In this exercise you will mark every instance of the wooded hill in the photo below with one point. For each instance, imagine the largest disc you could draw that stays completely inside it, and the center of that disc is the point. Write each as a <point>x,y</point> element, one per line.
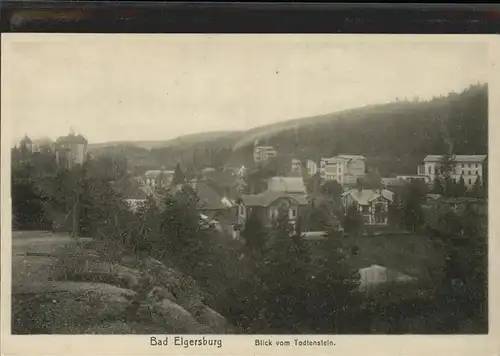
<point>394,137</point>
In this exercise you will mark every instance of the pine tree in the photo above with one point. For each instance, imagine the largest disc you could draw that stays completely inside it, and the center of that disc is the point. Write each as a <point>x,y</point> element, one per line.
<point>254,233</point>
<point>332,301</point>
<point>179,177</point>
<point>477,190</point>
<point>284,274</point>
<point>460,188</point>
<point>352,221</point>
<point>412,209</point>
<point>437,187</point>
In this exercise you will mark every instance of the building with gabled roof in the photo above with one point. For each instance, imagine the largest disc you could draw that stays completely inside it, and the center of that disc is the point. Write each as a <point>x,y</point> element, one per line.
<point>469,167</point>
<point>372,204</point>
<point>71,150</point>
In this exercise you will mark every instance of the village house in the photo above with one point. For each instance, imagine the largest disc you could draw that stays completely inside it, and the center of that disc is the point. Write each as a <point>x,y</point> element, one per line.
<point>372,204</point>
<point>312,167</point>
<point>71,150</point>
<point>215,209</point>
<point>157,178</point>
<point>470,167</point>
<point>283,193</point>
<point>137,198</point>
<point>44,143</point>
<point>345,169</point>
<point>263,153</point>
<point>296,167</point>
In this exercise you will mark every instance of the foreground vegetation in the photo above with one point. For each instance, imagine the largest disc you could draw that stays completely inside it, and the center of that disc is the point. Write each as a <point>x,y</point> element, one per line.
<point>273,283</point>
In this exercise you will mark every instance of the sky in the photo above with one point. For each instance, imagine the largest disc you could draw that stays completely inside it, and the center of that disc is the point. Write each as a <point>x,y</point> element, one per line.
<point>157,87</point>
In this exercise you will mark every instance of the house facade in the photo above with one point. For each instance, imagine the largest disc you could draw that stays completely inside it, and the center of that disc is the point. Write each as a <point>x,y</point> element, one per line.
<point>267,206</point>
<point>71,150</point>
<point>470,167</point>
<point>312,167</point>
<point>296,167</point>
<point>157,178</point>
<point>345,169</point>
<point>373,205</point>
<point>263,153</point>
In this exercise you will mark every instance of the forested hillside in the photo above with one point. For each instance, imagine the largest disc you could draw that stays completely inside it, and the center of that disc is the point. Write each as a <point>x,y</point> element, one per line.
<point>394,137</point>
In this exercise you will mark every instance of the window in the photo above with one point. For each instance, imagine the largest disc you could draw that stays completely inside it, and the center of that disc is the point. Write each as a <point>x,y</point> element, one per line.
<point>469,165</point>
<point>470,181</point>
<point>462,165</point>
<point>365,209</point>
<point>476,165</point>
<point>468,172</point>
<point>293,213</point>
<point>430,170</point>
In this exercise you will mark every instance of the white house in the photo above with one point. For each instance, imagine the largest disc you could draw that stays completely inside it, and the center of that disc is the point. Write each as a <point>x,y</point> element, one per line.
<point>263,153</point>
<point>157,178</point>
<point>296,167</point>
<point>471,167</point>
<point>312,167</point>
<point>345,169</point>
<point>373,205</point>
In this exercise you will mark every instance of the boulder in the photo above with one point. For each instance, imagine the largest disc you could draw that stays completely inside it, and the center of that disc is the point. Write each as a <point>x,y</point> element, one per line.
<point>173,316</point>
<point>209,317</point>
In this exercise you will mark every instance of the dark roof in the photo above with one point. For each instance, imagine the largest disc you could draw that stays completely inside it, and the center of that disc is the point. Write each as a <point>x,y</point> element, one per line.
<point>268,197</point>
<point>71,138</point>
<point>209,199</point>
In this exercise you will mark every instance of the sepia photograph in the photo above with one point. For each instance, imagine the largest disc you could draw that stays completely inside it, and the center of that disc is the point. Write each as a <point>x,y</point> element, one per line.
<point>246,185</point>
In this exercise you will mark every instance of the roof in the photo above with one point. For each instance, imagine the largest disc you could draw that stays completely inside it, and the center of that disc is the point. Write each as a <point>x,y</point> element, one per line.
<point>209,199</point>
<point>268,197</point>
<point>72,139</point>
<point>287,184</point>
<point>392,181</point>
<point>457,158</point>
<point>351,157</point>
<point>157,172</point>
<point>365,196</point>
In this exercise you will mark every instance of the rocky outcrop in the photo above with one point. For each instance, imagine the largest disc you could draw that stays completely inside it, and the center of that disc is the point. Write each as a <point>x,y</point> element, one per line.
<point>129,294</point>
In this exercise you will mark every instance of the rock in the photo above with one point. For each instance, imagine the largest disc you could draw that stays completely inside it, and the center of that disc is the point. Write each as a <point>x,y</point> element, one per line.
<point>160,293</point>
<point>68,307</point>
<point>173,316</point>
<point>209,317</point>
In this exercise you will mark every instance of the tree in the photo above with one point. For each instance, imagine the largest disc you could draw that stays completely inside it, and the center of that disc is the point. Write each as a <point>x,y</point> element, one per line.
<point>254,234</point>
<point>284,275</point>
<point>352,221</point>
<point>332,188</point>
<point>478,190</point>
<point>372,180</point>
<point>445,171</point>
<point>27,200</point>
<point>179,177</point>
<point>412,209</point>
<point>333,300</point>
<point>437,187</point>
<point>460,188</point>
